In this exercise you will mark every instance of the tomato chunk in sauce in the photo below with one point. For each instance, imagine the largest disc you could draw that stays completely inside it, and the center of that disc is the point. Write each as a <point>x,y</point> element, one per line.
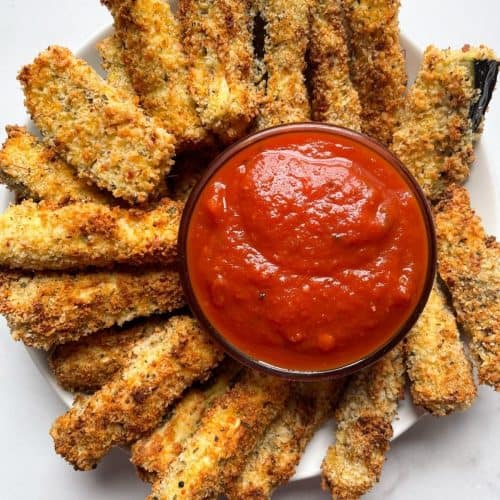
<point>307,250</point>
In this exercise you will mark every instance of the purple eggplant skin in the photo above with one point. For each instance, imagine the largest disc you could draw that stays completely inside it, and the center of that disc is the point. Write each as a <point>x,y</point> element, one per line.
<point>485,77</point>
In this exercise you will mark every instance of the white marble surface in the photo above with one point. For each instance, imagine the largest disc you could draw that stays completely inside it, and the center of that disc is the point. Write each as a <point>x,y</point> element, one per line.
<point>456,457</point>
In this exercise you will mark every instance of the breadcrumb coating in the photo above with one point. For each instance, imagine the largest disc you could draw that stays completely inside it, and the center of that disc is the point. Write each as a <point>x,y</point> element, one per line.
<point>217,37</point>
<point>435,139</point>
<point>158,67</point>
<point>334,98</point>
<point>215,454</point>
<point>287,34</point>
<point>111,54</point>
<point>46,309</point>
<point>48,237</point>
<point>469,264</point>
<point>377,64</point>
<point>94,127</point>
<point>440,374</point>
<point>364,416</point>
<point>32,170</point>
<point>87,364</point>
<point>275,458</point>
<point>159,368</point>
<point>153,454</point>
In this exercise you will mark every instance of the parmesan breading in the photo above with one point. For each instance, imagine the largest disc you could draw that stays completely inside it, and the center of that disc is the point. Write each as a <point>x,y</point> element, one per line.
<point>215,454</point>
<point>217,37</point>
<point>52,308</point>
<point>440,374</point>
<point>334,98</point>
<point>111,54</point>
<point>377,64</point>
<point>364,417</point>
<point>157,65</point>
<point>435,139</point>
<point>159,368</point>
<point>47,237</point>
<point>286,41</point>
<point>90,124</point>
<point>32,170</point>
<point>469,263</point>
<point>275,458</point>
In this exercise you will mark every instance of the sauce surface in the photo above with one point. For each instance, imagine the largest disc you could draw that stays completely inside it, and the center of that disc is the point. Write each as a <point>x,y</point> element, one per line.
<point>307,250</point>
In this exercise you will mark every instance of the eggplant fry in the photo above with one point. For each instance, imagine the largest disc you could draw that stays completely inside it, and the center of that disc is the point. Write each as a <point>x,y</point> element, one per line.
<point>153,454</point>
<point>354,462</point>
<point>52,308</point>
<point>159,368</point>
<point>87,364</point>
<point>334,98</point>
<point>443,116</point>
<point>157,65</point>
<point>377,64</point>
<point>440,374</point>
<point>110,51</point>
<point>287,34</point>
<point>33,171</point>
<point>108,139</point>
<point>217,37</point>
<point>274,460</point>
<point>469,264</point>
<point>48,237</point>
<point>214,455</point>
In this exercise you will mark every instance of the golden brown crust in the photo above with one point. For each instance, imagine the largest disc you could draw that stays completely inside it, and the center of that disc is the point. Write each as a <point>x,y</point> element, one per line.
<point>214,455</point>
<point>275,458</point>
<point>32,170</point>
<point>94,127</point>
<point>217,36</point>
<point>287,35</point>
<point>87,364</point>
<point>377,64</point>
<point>159,368</point>
<point>440,374</point>
<point>153,454</point>
<point>157,65</point>
<point>469,263</point>
<point>110,51</point>
<point>335,100</point>
<point>52,308</point>
<point>43,236</point>
<point>364,416</point>
<point>435,138</point>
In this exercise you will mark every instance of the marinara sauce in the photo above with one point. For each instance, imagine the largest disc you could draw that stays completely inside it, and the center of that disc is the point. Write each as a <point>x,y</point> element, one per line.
<point>307,250</point>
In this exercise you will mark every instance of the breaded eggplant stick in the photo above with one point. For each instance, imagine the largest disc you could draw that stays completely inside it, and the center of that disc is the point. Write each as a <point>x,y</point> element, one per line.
<point>214,455</point>
<point>377,64</point>
<point>51,308</point>
<point>117,76</point>
<point>274,460</point>
<point>90,124</point>
<point>159,368</point>
<point>87,364</point>
<point>217,37</point>
<point>443,116</point>
<point>157,65</point>
<point>440,374</point>
<point>48,237</point>
<point>469,263</point>
<point>335,100</point>
<point>285,46</point>
<point>354,462</point>
<point>32,170</point>
<point>153,454</point>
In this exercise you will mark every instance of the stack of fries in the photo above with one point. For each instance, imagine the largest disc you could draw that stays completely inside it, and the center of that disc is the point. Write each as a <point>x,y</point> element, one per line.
<point>88,256</point>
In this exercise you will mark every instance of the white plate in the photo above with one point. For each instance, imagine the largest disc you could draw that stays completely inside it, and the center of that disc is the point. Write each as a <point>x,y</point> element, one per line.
<point>482,188</point>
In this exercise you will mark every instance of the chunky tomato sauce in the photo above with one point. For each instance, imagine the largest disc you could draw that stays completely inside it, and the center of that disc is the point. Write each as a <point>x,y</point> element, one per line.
<point>307,251</point>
